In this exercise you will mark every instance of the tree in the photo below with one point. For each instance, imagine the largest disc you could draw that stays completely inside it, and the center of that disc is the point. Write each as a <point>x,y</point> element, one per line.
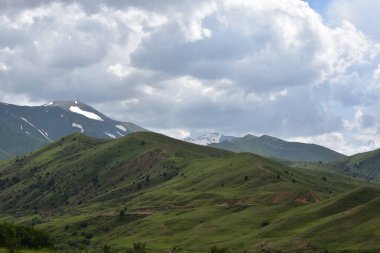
<point>9,237</point>
<point>14,236</point>
<point>121,214</point>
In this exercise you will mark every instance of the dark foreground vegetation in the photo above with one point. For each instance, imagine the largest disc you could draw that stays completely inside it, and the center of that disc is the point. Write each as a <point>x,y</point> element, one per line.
<point>13,237</point>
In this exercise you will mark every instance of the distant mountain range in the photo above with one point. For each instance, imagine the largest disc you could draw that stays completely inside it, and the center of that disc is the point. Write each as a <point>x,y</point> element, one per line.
<point>269,146</point>
<point>25,128</point>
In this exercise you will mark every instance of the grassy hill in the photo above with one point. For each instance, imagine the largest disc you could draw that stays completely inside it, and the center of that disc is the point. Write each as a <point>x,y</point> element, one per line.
<point>366,165</point>
<point>276,148</point>
<point>171,194</point>
<point>363,165</point>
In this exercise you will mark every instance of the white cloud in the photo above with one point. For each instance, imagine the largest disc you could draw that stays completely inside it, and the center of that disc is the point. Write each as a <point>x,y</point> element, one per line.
<point>3,67</point>
<point>233,66</point>
<point>174,133</point>
<point>118,70</point>
<point>345,144</point>
<point>363,14</point>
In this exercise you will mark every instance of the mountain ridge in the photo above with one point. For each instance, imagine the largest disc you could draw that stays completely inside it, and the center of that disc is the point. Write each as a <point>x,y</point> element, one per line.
<point>269,146</point>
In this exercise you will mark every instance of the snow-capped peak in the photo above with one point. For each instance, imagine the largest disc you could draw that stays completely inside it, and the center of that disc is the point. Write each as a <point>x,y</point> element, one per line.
<point>205,139</point>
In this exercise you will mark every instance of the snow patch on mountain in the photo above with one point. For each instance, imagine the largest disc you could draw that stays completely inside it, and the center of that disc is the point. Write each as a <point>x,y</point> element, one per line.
<point>122,128</point>
<point>87,114</point>
<point>122,135</point>
<point>205,139</point>
<point>110,135</point>
<point>42,132</point>
<point>78,126</point>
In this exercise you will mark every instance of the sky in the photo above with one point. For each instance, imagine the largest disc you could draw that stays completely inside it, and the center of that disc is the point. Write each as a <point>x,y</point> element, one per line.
<point>297,70</point>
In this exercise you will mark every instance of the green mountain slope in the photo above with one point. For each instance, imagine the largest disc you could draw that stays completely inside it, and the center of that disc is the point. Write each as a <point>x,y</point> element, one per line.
<point>365,165</point>
<point>273,147</point>
<point>168,193</point>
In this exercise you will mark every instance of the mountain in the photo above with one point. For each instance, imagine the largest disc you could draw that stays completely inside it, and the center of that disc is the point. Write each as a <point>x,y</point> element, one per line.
<point>276,148</point>
<point>24,128</point>
<point>365,165</point>
<point>208,139</point>
<point>181,197</point>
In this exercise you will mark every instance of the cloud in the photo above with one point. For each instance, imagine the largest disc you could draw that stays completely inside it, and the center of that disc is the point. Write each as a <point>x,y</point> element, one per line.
<point>275,67</point>
<point>363,14</point>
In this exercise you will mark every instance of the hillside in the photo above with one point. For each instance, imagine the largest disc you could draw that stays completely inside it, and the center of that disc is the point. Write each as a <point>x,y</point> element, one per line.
<point>276,148</point>
<point>25,128</point>
<point>365,165</point>
<point>172,194</point>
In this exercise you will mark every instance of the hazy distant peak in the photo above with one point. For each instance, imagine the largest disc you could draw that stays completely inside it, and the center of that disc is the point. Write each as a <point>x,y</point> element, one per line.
<point>205,139</point>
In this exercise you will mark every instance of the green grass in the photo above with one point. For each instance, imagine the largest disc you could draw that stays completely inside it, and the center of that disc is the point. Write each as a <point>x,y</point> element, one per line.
<point>184,195</point>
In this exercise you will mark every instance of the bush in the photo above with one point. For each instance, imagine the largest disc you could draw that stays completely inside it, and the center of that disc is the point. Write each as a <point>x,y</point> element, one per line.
<point>107,249</point>
<point>215,249</point>
<point>264,223</point>
<point>139,247</point>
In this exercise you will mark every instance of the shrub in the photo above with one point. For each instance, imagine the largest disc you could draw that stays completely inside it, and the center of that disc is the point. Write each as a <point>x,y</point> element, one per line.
<point>264,223</point>
<point>107,249</point>
<point>215,249</point>
<point>139,247</point>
